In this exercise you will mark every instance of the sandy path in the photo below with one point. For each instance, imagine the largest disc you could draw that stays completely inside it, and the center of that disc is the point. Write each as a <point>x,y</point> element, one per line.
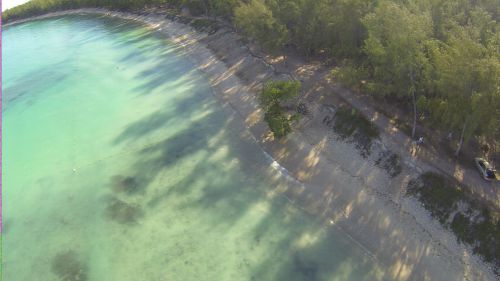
<point>339,185</point>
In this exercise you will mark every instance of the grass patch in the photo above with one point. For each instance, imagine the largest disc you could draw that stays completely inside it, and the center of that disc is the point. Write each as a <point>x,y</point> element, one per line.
<point>391,162</point>
<point>351,125</point>
<point>475,226</point>
<point>439,195</point>
<point>461,227</point>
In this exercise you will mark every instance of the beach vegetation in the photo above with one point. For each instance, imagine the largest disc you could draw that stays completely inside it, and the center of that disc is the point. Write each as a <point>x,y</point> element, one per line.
<point>390,162</point>
<point>471,221</point>
<point>350,125</point>
<point>273,95</point>
<point>257,21</point>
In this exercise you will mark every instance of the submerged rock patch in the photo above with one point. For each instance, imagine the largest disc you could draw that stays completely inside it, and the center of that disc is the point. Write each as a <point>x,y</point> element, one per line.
<point>68,267</point>
<point>123,212</point>
<point>125,184</point>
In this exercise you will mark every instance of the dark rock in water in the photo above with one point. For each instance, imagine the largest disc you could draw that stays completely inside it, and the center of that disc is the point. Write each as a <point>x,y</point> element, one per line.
<point>68,267</point>
<point>307,269</point>
<point>128,185</point>
<point>123,212</point>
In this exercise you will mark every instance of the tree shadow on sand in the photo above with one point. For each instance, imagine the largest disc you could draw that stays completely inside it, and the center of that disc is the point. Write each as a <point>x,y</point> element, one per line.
<point>228,186</point>
<point>226,195</point>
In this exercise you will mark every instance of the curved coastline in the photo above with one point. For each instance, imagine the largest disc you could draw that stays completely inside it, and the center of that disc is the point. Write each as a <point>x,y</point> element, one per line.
<point>396,233</point>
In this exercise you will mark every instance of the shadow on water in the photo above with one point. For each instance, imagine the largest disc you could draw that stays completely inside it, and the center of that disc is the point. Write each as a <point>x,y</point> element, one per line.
<point>228,186</point>
<point>227,193</point>
<point>178,109</point>
<point>26,89</point>
<point>150,45</point>
<point>227,172</point>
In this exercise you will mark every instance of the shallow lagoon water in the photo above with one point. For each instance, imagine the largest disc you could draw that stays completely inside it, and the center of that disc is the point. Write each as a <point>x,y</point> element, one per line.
<point>120,164</point>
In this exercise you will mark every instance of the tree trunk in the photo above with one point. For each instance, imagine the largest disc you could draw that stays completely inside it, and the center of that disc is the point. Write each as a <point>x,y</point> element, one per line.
<point>414,101</point>
<point>461,140</point>
<point>205,7</point>
<point>414,114</point>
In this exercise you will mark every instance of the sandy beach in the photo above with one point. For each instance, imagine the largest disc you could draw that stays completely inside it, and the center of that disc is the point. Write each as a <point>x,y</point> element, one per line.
<point>337,184</point>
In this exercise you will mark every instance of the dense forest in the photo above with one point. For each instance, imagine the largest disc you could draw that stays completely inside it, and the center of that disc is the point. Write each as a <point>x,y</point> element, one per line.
<point>439,57</point>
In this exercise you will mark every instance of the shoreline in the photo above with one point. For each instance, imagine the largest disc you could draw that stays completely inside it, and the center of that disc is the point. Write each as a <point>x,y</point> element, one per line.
<point>342,187</point>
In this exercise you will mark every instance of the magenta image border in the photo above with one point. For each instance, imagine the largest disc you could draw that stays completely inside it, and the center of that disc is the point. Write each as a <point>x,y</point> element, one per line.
<point>1,132</point>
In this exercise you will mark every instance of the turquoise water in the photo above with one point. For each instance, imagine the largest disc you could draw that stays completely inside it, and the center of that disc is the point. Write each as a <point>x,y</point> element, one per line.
<point>120,164</point>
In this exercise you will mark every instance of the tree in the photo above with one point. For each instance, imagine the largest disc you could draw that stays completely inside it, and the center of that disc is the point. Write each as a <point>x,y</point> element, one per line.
<point>256,20</point>
<point>468,81</point>
<point>273,93</point>
<point>397,38</point>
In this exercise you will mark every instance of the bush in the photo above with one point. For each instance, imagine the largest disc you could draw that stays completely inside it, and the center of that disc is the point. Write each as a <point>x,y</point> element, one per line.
<point>275,92</point>
<point>350,76</point>
<point>272,95</point>
<point>277,121</point>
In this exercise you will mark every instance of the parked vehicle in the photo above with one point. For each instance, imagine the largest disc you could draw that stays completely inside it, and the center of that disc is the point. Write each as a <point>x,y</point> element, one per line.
<point>486,170</point>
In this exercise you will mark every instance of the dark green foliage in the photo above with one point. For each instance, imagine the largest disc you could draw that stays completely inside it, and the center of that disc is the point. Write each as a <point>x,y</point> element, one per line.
<point>196,7</point>
<point>353,126</point>
<point>328,26</point>
<point>391,162</point>
<point>68,267</point>
<point>350,75</point>
<point>38,7</point>
<point>438,194</point>
<point>275,92</point>
<point>440,197</point>
<point>257,21</point>
<point>488,235</point>
<point>272,95</point>
<point>461,227</point>
<point>277,121</point>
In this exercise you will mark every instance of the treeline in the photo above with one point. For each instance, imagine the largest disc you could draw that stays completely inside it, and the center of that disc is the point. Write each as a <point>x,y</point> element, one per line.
<point>222,8</point>
<point>440,57</point>
<point>39,7</point>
